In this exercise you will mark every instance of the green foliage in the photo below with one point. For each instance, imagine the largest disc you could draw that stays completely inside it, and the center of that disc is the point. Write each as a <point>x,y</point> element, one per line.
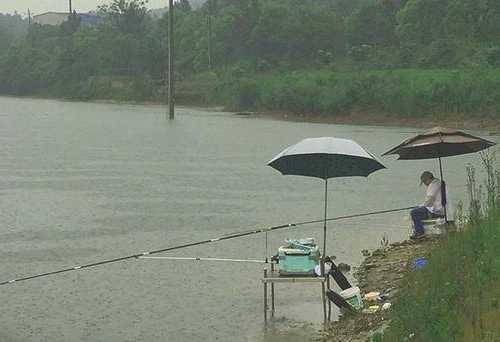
<point>440,53</point>
<point>402,92</point>
<point>428,27</point>
<point>296,31</point>
<point>246,43</point>
<point>198,90</point>
<point>451,300</point>
<point>12,28</point>
<point>26,69</point>
<point>127,17</point>
<point>491,56</point>
<point>421,21</point>
<point>455,298</point>
<point>372,23</point>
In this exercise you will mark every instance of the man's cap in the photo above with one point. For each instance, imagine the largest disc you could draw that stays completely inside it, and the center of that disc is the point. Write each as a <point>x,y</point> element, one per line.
<point>426,174</point>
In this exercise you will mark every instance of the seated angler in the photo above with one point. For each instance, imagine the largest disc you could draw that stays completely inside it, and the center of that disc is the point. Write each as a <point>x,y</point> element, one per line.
<point>431,208</point>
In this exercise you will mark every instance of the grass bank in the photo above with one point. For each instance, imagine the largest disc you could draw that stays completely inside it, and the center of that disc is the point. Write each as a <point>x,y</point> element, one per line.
<point>457,296</point>
<point>405,92</point>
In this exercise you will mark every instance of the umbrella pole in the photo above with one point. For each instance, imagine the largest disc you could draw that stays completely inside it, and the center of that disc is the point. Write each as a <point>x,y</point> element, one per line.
<point>324,229</point>
<point>443,195</point>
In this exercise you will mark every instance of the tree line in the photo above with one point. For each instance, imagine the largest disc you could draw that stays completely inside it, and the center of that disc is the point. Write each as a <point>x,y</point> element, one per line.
<point>246,37</point>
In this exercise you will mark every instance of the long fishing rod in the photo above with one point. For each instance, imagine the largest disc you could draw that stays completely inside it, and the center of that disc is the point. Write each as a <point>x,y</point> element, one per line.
<point>203,242</point>
<point>204,259</point>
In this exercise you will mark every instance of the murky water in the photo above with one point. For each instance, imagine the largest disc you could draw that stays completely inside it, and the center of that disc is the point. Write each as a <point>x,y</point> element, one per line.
<point>83,182</point>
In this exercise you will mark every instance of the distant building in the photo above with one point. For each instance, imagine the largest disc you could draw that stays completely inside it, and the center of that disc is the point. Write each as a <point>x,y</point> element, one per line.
<point>57,18</point>
<point>50,18</point>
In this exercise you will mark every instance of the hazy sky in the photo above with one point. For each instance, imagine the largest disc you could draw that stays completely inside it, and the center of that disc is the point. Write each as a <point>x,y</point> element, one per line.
<point>40,6</point>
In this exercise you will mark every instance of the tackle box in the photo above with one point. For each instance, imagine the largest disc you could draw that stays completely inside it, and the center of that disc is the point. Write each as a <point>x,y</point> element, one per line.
<point>298,257</point>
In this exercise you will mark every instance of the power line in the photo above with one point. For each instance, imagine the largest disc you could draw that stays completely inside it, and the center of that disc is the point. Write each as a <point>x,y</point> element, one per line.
<point>202,242</point>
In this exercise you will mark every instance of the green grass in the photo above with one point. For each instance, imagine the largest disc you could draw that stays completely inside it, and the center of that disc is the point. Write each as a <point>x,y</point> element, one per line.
<point>406,92</point>
<point>456,297</point>
<point>401,92</point>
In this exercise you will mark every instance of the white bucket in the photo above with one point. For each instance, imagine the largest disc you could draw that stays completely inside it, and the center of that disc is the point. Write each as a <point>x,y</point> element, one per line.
<point>353,296</point>
<point>433,226</point>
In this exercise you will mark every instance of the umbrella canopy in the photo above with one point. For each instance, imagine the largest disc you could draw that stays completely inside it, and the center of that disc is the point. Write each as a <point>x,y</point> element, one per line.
<point>439,142</point>
<point>325,158</point>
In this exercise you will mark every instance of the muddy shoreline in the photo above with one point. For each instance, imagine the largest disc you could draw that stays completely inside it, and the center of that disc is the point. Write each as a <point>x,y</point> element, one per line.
<point>384,270</point>
<point>451,120</point>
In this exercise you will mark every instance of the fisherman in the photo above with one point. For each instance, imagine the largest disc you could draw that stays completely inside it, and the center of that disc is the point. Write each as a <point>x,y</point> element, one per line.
<point>432,206</point>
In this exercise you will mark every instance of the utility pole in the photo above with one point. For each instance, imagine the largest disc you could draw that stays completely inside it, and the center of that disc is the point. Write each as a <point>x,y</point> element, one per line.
<point>171,91</point>
<point>29,17</point>
<point>70,8</point>
<point>209,19</point>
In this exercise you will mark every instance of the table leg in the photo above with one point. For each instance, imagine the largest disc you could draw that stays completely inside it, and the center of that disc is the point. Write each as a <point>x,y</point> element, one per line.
<point>323,296</point>
<point>265,296</point>
<point>329,302</point>
<point>272,294</point>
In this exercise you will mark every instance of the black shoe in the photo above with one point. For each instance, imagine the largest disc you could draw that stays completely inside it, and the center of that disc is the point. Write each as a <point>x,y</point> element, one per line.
<point>417,236</point>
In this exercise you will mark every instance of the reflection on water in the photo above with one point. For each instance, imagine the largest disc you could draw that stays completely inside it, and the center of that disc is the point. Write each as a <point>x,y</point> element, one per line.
<point>287,330</point>
<point>84,182</point>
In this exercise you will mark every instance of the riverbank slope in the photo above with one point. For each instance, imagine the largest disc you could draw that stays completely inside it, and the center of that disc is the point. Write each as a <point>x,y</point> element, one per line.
<point>454,297</point>
<point>383,271</point>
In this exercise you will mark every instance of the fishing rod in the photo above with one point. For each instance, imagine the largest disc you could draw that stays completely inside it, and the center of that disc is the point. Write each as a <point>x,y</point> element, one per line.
<point>204,259</point>
<point>198,243</point>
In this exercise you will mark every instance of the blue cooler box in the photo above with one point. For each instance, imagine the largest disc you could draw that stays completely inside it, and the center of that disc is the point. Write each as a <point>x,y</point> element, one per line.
<point>298,258</point>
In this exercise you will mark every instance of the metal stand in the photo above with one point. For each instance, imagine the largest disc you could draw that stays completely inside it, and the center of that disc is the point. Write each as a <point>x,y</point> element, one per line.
<point>273,309</point>
<point>274,277</point>
<point>443,191</point>
<point>329,303</point>
<point>265,296</point>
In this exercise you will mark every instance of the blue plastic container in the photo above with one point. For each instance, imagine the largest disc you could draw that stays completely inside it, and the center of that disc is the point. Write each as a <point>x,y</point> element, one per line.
<point>420,263</point>
<point>296,260</point>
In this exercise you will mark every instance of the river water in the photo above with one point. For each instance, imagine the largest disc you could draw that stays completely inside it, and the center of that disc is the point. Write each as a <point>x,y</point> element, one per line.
<point>82,182</point>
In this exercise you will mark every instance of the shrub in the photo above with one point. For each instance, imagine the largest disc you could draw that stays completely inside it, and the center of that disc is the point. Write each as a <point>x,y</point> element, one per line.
<point>402,92</point>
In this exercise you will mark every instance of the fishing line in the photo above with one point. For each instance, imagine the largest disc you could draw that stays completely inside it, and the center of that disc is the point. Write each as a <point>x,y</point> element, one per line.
<point>198,243</point>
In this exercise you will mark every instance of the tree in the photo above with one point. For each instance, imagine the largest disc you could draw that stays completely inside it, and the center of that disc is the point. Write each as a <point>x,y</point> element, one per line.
<point>71,25</point>
<point>373,23</point>
<point>421,21</point>
<point>489,21</point>
<point>12,27</point>
<point>294,32</point>
<point>182,5</point>
<point>128,17</point>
